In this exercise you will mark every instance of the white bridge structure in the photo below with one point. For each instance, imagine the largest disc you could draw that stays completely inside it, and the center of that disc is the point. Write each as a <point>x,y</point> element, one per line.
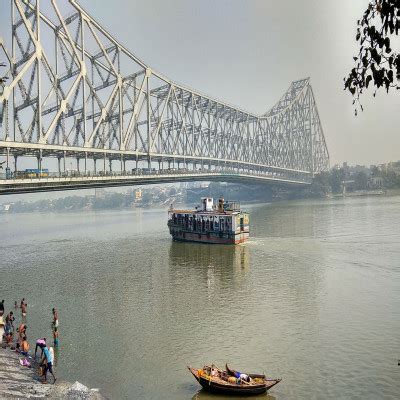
<point>74,92</point>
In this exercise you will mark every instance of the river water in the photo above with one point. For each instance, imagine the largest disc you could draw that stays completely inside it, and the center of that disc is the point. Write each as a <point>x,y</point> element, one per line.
<point>313,298</point>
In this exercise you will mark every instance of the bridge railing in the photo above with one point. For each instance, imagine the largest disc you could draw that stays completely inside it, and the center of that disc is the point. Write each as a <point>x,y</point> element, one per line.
<point>48,176</point>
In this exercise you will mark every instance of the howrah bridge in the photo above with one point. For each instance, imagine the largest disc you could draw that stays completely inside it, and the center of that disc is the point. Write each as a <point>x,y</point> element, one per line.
<point>74,93</point>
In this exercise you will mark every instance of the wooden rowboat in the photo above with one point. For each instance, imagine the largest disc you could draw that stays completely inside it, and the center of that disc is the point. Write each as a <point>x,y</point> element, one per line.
<point>223,382</point>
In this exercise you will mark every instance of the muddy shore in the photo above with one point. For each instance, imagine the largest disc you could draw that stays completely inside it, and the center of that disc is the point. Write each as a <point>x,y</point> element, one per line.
<point>18,382</point>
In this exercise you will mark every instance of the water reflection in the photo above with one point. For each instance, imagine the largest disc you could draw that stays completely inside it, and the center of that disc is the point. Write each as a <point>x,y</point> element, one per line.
<point>218,267</point>
<point>203,395</point>
<point>203,256</point>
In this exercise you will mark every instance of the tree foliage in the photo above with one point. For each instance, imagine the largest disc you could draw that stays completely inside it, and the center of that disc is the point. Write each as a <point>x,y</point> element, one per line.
<point>377,63</point>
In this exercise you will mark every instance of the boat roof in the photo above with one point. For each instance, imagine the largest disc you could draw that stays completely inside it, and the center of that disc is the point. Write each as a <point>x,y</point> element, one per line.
<point>202,212</point>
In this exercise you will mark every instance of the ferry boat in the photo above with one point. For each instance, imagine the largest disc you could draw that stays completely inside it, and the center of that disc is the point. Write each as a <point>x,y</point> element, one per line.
<point>223,223</point>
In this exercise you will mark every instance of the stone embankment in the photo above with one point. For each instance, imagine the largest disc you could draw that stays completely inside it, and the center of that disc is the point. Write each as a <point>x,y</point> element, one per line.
<point>18,382</point>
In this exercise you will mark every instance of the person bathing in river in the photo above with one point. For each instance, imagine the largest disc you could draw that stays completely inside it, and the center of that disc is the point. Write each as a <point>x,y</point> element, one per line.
<point>55,336</point>
<point>21,332</point>
<point>24,346</point>
<point>9,325</point>
<point>12,319</point>
<point>40,343</point>
<point>9,338</point>
<point>47,362</point>
<point>55,318</point>
<point>23,307</point>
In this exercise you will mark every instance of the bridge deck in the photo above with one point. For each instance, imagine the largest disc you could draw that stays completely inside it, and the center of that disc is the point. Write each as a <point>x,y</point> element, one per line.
<point>56,183</point>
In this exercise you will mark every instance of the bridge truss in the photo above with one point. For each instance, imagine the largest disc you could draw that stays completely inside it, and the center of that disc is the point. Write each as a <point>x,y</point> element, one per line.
<point>75,91</point>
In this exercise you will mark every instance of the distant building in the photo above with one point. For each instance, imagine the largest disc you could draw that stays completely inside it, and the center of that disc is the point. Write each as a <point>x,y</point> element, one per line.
<point>394,167</point>
<point>376,182</point>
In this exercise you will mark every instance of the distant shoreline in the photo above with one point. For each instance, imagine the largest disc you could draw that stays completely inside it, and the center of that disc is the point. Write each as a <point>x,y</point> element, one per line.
<point>160,207</point>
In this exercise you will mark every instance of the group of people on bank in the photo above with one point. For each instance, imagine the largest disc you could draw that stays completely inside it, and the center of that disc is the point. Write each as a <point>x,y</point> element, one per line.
<point>16,339</point>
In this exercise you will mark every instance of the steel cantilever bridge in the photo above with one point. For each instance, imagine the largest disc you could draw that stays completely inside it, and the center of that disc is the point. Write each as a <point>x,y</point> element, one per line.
<point>75,93</point>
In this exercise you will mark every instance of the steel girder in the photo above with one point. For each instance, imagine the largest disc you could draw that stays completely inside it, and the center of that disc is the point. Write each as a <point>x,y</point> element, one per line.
<point>74,87</point>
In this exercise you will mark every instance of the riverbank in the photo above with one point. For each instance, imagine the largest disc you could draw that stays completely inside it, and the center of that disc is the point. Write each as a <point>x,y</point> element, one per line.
<point>18,382</point>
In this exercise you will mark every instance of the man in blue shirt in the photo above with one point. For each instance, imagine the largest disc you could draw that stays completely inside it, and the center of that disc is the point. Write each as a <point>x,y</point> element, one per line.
<point>47,362</point>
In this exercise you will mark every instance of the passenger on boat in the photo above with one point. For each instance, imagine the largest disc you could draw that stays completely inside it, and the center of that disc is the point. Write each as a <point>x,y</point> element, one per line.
<point>214,372</point>
<point>243,377</point>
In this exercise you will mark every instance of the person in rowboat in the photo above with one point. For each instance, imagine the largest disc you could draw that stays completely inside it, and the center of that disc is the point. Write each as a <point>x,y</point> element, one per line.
<point>242,377</point>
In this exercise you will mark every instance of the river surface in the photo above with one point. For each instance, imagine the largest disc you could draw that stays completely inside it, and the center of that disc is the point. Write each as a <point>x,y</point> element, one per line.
<point>313,298</point>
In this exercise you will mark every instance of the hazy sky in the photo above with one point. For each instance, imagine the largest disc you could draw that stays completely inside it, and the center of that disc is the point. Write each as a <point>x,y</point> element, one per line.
<point>247,52</point>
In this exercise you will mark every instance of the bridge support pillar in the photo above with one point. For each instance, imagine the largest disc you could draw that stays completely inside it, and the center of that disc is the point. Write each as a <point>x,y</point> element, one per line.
<point>110,163</point>
<point>39,162</point>
<point>77,164</point>
<point>104,163</point>
<point>95,165</point>
<point>59,165</point>
<point>64,161</point>
<point>85,163</point>
<point>15,164</point>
